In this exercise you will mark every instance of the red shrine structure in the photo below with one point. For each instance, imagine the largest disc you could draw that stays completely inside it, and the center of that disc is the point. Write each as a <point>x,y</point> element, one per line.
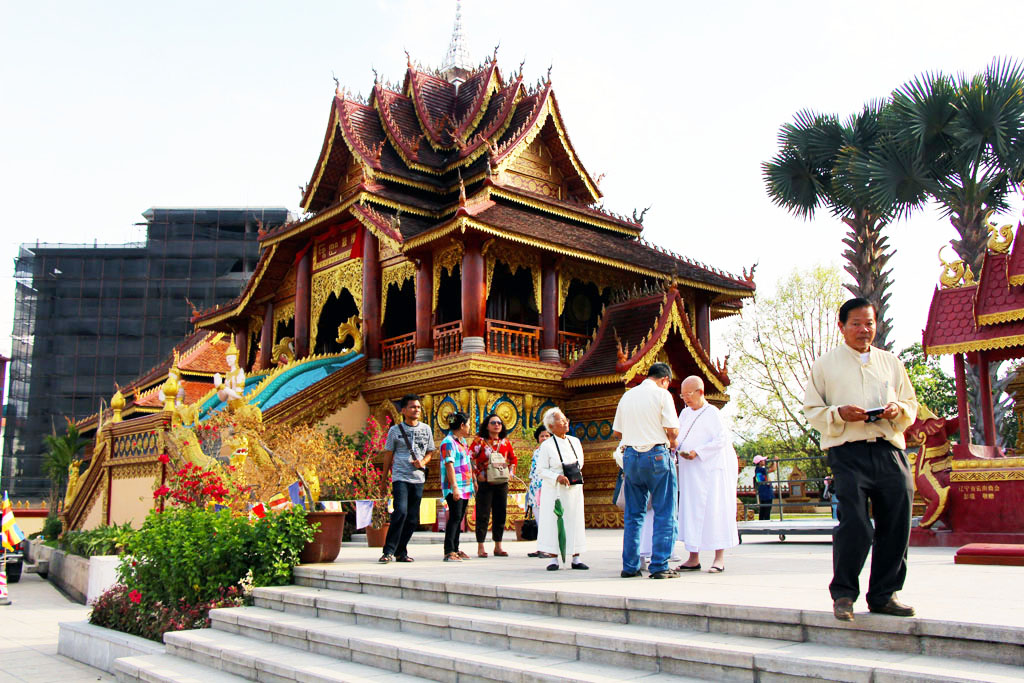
<point>973,493</point>
<point>454,245</point>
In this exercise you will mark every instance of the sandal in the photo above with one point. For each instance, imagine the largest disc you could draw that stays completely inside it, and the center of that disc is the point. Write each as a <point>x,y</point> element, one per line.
<point>716,570</point>
<point>404,558</point>
<point>500,553</point>
<point>452,557</point>
<point>462,555</point>
<point>685,568</point>
<point>481,553</point>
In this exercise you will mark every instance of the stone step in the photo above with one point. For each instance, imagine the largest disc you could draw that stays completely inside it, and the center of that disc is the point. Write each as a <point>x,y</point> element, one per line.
<point>166,668</point>
<point>979,642</point>
<point>346,652</point>
<point>370,624</point>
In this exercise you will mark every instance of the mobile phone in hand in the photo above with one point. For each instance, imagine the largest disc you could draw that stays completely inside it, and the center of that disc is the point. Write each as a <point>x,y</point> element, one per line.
<point>875,414</point>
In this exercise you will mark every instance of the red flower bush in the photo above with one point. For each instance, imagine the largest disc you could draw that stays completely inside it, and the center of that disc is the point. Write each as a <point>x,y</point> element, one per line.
<point>192,485</point>
<point>135,596</point>
<point>126,611</point>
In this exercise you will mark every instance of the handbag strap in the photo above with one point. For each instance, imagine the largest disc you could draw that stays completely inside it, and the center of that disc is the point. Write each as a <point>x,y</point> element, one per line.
<point>559,450</point>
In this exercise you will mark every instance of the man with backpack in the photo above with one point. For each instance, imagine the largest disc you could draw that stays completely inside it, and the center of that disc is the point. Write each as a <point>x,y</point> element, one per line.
<point>408,449</point>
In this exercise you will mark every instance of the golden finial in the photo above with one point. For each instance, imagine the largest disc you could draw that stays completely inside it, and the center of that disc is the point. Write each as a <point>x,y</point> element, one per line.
<point>232,349</point>
<point>117,404</point>
<point>955,273</point>
<point>999,237</point>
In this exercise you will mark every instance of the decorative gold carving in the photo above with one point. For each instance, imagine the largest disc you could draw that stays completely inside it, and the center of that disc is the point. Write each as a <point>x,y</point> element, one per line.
<point>528,410</point>
<point>955,273</point>
<point>348,275</point>
<point>333,251</point>
<point>515,258</point>
<point>464,400</point>
<point>283,313</point>
<point>1000,238</point>
<point>508,414</point>
<point>990,475</point>
<point>135,470</point>
<point>394,275</point>
<point>428,406</point>
<point>448,259</point>
<point>988,464</point>
<point>350,329</point>
<point>285,348</point>
<point>534,170</point>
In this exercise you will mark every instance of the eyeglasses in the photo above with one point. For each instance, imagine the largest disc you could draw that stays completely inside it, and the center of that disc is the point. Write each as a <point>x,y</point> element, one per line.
<point>495,422</point>
<point>689,393</point>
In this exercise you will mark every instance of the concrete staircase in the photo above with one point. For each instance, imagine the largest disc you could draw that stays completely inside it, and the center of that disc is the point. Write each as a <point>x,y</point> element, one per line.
<point>346,626</point>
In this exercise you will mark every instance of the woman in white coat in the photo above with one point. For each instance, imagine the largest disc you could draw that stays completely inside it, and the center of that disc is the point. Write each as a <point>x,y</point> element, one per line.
<point>561,448</point>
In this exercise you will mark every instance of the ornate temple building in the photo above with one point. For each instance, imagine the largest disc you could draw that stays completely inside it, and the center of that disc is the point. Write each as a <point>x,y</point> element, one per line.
<point>453,245</point>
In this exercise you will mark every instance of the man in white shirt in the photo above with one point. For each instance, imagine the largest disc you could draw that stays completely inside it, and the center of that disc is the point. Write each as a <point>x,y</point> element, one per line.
<point>647,425</point>
<point>861,400</point>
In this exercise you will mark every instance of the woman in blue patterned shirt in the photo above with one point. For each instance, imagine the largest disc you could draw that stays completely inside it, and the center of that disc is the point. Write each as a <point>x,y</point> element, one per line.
<point>456,483</point>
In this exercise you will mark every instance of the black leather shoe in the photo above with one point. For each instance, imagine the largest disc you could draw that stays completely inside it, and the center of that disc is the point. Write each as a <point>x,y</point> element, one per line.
<point>552,567</point>
<point>665,574</point>
<point>893,608</point>
<point>842,608</point>
<point>579,565</point>
<point>629,575</point>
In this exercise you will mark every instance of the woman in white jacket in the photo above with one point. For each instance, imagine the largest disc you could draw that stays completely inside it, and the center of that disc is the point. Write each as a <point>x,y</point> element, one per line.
<point>561,448</point>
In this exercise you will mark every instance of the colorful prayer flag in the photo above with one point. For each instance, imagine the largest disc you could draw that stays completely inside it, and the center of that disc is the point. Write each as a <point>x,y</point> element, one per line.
<point>364,513</point>
<point>279,501</point>
<point>12,534</point>
<point>258,511</point>
<point>295,493</point>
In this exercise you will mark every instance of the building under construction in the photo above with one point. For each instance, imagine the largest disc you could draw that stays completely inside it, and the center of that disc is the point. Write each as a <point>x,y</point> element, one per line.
<point>87,316</point>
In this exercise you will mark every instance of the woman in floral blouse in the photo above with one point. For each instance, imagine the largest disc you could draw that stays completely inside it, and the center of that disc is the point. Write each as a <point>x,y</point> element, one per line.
<point>456,483</point>
<point>491,444</point>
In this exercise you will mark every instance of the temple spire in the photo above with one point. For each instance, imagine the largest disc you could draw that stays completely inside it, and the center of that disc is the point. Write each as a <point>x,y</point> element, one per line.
<point>456,65</point>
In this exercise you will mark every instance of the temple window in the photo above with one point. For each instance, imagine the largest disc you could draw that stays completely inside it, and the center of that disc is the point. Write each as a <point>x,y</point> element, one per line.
<point>449,297</point>
<point>400,313</point>
<point>285,328</point>
<point>511,297</point>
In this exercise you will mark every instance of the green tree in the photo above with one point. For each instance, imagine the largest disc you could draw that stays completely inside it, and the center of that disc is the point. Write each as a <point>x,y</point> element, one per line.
<point>61,451</point>
<point>934,387</point>
<point>812,171</point>
<point>774,346</point>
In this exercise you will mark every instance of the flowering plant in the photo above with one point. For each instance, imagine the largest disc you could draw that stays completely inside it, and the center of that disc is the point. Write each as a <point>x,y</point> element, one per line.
<point>191,485</point>
<point>367,482</point>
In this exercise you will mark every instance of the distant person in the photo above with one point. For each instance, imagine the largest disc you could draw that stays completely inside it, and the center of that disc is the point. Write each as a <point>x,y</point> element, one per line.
<point>830,496</point>
<point>407,451</point>
<point>494,460</point>
<point>456,483</point>
<point>763,486</point>
<point>707,480</point>
<point>647,425</point>
<point>860,399</point>
<point>540,434</point>
<point>560,464</point>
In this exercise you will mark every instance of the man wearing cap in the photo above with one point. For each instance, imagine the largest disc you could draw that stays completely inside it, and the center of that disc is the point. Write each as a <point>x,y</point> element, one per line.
<point>763,487</point>
<point>860,399</point>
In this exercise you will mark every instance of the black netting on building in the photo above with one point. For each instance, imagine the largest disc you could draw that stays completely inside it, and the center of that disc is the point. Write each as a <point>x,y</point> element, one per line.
<point>89,315</point>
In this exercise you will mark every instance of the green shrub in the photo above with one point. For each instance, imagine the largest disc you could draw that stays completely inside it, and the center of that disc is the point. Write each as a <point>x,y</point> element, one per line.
<point>122,609</point>
<point>103,540</point>
<point>190,554</point>
<point>52,527</point>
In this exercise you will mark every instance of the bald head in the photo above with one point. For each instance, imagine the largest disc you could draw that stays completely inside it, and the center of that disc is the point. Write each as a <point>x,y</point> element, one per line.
<point>692,392</point>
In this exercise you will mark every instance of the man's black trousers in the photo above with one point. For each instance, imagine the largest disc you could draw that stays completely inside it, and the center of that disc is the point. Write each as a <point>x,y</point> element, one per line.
<point>876,473</point>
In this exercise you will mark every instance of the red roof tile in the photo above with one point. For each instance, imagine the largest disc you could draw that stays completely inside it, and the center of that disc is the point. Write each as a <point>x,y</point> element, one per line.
<point>996,300</point>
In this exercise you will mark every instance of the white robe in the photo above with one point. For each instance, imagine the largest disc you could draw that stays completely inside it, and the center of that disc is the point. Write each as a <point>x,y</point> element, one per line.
<point>549,467</point>
<point>707,484</point>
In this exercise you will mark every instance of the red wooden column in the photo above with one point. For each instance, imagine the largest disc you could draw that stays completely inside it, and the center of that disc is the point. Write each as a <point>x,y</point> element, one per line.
<point>424,308</point>
<point>267,336</point>
<point>549,312</point>
<point>242,342</point>
<point>303,284</point>
<point>963,416</point>
<point>703,322</point>
<point>988,421</point>
<point>371,302</point>
<point>474,298</point>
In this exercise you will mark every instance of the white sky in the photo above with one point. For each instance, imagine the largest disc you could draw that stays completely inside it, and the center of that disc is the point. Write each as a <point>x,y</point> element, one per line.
<point>109,108</point>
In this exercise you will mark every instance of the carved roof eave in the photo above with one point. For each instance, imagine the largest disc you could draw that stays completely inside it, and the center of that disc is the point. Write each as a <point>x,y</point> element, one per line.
<point>465,222</point>
<point>548,109</point>
<point>413,91</point>
<point>479,107</point>
<point>321,164</point>
<point>672,318</point>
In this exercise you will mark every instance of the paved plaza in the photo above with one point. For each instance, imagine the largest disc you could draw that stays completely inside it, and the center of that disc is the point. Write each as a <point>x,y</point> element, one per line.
<point>762,571</point>
<point>28,649</point>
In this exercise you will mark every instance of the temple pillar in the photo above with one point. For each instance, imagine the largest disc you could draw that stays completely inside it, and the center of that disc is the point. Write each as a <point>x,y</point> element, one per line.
<point>549,312</point>
<point>371,302</point>
<point>988,421</point>
<point>242,342</point>
<point>267,336</point>
<point>702,324</point>
<point>474,298</point>
<point>424,308</point>
<point>303,284</point>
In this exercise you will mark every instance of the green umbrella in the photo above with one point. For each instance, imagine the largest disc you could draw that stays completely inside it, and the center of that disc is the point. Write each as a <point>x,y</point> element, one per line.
<point>559,511</point>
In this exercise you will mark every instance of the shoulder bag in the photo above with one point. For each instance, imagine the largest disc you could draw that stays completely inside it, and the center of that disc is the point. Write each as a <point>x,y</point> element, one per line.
<point>408,444</point>
<point>572,470</point>
<point>497,466</point>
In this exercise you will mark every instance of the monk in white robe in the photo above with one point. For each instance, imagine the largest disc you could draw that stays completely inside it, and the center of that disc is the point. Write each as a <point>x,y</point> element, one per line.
<point>707,480</point>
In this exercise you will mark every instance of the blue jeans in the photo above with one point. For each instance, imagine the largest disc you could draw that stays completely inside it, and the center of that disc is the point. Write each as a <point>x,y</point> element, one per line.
<point>649,475</point>
<point>405,518</point>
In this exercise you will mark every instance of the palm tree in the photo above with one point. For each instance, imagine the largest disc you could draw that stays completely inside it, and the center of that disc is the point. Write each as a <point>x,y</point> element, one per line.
<point>813,170</point>
<point>959,141</point>
<point>61,450</point>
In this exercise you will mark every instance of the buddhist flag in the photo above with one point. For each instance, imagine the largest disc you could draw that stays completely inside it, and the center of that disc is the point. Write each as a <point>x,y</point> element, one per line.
<point>278,502</point>
<point>12,534</point>
<point>295,494</point>
<point>258,511</point>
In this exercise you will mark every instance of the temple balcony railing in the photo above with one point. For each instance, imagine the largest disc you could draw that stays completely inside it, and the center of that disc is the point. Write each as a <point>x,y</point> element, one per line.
<point>447,339</point>
<point>571,346</point>
<point>512,339</point>
<point>398,351</point>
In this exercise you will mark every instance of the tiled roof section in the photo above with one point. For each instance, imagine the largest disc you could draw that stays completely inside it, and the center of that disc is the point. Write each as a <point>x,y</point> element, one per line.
<point>472,95</point>
<point>206,357</point>
<point>576,206</point>
<point>399,117</point>
<point>362,129</point>
<point>499,108</point>
<point>194,390</point>
<point>996,300</point>
<point>525,114</point>
<point>330,166</point>
<point>604,244</point>
<point>434,100</point>
<point>1015,262</point>
<point>630,322</point>
<point>160,370</point>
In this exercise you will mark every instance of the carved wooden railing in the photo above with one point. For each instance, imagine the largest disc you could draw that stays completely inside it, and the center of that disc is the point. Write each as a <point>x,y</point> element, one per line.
<point>398,351</point>
<point>511,339</point>
<point>447,339</point>
<point>571,346</point>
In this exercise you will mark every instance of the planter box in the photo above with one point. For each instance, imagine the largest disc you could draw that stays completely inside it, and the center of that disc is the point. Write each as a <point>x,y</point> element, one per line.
<point>39,554</point>
<point>99,647</point>
<point>84,579</point>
